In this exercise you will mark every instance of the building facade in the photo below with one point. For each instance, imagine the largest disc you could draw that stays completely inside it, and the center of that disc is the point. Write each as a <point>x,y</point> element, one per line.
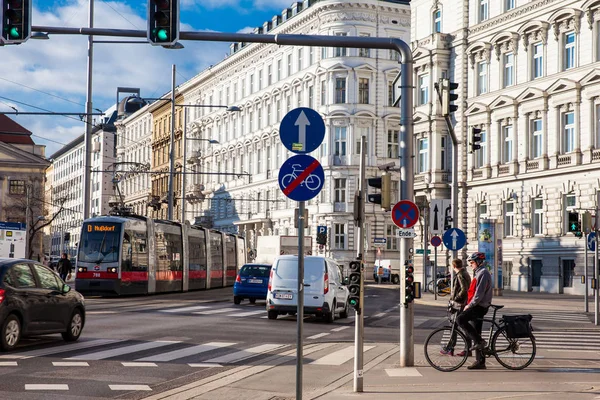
<point>528,78</point>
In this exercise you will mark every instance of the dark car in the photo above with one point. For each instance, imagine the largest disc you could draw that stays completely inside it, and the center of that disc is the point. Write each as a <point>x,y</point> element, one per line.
<point>35,301</point>
<point>251,283</point>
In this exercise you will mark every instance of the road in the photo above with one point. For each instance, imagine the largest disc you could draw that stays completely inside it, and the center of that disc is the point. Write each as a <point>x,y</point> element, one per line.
<point>136,347</point>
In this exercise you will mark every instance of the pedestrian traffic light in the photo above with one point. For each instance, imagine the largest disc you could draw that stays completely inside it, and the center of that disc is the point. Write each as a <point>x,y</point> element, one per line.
<point>409,290</point>
<point>385,184</point>
<point>448,97</point>
<point>354,285</point>
<point>15,21</point>
<point>475,139</point>
<point>163,22</point>
<point>322,235</point>
<point>575,224</point>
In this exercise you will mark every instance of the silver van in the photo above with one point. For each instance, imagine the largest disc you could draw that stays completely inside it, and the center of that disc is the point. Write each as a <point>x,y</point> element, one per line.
<point>325,294</point>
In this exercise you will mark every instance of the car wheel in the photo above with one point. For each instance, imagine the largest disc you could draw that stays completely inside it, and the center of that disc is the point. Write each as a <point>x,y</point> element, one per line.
<point>11,333</point>
<point>252,300</point>
<point>237,299</point>
<point>344,312</point>
<point>272,314</point>
<point>395,279</point>
<point>75,327</point>
<point>330,316</point>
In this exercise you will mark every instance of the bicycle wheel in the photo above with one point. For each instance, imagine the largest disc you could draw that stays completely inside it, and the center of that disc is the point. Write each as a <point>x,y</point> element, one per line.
<point>511,353</point>
<point>443,289</point>
<point>438,342</point>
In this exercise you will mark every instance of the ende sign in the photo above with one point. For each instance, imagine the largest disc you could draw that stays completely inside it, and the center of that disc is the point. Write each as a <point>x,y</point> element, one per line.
<point>406,233</point>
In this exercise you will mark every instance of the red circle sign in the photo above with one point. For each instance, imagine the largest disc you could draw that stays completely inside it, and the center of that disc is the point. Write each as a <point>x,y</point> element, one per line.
<point>405,214</point>
<point>436,241</point>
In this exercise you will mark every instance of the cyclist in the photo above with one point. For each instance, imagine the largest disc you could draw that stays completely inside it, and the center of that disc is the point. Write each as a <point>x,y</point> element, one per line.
<point>478,302</point>
<point>461,283</point>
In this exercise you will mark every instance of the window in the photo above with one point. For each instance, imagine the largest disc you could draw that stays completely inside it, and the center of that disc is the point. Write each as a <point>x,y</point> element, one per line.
<point>300,59</point>
<point>507,133</point>
<point>509,218</point>
<point>259,159</point>
<point>340,51</point>
<point>483,10</point>
<point>391,237</point>
<point>391,94</point>
<point>569,132</point>
<point>538,216</point>
<point>323,93</point>
<point>16,187</point>
<point>340,190</point>
<point>392,143</point>
<point>423,89</point>
<point>47,278</point>
<point>481,154</point>
<point>279,76</point>
<point>536,138</point>
<point>251,84</point>
<point>509,70</point>
<point>437,21</point>
<point>311,97</point>
<point>362,132</point>
<point>339,236</point>
<point>538,60</point>
<point>443,141</point>
<point>482,68</point>
<point>289,65</point>
<point>269,75</point>
<point>364,52</point>
<point>569,50</point>
<point>340,90</point>
<point>423,160</point>
<point>363,91</point>
<point>23,278</point>
<point>509,5</point>
<point>482,211</point>
<point>340,140</point>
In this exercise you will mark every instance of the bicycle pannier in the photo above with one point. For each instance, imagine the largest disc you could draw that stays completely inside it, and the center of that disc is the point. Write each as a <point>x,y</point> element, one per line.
<point>518,326</point>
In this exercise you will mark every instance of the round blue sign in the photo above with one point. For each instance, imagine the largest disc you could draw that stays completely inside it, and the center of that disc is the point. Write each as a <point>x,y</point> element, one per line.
<point>302,130</point>
<point>301,177</point>
<point>454,239</point>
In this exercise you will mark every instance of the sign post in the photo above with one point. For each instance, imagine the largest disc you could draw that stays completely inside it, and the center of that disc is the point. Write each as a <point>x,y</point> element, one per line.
<point>435,242</point>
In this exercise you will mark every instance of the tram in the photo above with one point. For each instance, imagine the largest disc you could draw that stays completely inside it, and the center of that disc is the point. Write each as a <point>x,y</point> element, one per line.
<point>131,254</point>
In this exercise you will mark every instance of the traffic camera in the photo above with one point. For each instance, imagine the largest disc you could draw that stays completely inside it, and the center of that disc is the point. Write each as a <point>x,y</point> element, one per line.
<point>15,21</point>
<point>475,139</point>
<point>385,184</point>
<point>409,279</point>
<point>354,280</point>
<point>163,22</point>
<point>448,97</point>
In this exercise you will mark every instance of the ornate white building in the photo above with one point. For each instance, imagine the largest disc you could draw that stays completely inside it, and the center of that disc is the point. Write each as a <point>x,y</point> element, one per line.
<point>528,74</point>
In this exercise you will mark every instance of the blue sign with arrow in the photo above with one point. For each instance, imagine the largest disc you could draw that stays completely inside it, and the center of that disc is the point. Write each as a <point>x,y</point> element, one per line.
<point>301,177</point>
<point>454,239</point>
<point>302,130</point>
<point>591,241</point>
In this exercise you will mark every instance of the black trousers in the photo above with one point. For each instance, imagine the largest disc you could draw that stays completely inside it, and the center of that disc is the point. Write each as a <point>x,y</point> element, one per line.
<point>471,324</point>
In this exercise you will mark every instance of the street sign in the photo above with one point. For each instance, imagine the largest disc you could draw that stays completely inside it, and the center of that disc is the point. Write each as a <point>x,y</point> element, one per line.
<point>591,241</point>
<point>422,251</point>
<point>436,241</point>
<point>405,214</point>
<point>301,177</point>
<point>379,240</point>
<point>440,215</point>
<point>454,239</point>
<point>302,130</point>
<point>322,229</point>
<point>406,233</point>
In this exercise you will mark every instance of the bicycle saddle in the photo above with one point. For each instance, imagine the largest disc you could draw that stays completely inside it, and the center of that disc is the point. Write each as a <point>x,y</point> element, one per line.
<point>496,307</point>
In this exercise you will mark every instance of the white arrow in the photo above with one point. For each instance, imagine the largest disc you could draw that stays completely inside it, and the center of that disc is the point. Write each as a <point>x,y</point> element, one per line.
<point>454,235</point>
<point>302,122</point>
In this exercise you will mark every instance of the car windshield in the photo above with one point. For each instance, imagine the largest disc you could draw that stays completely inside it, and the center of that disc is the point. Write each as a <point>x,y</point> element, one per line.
<point>313,269</point>
<point>100,243</point>
<point>255,270</point>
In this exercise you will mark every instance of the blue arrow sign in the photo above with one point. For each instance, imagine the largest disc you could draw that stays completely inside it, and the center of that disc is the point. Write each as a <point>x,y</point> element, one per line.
<point>454,239</point>
<point>302,130</point>
<point>591,241</point>
<point>301,177</point>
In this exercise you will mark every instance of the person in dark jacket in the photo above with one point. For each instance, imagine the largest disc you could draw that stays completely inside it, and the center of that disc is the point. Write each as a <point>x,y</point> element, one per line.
<point>64,267</point>
<point>478,302</point>
<point>460,286</point>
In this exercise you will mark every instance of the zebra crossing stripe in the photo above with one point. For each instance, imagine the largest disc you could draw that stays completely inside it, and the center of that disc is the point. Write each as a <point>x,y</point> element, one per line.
<point>70,364</point>
<point>8,364</point>
<point>101,355</point>
<point>138,364</point>
<point>183,309</point>
<point>247,313</point>
<point>339,357</point>
<point>189,351</point>
<point>245,354</point>
<point>130,387</point>
<point>216,311</point>
<point>31,386</point>
<point>319,335</point>
<point>341,328</point>
<point>61,349</point>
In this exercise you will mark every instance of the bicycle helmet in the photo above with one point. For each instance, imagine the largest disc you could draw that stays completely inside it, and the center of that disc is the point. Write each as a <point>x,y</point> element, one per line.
<point>477,257</point>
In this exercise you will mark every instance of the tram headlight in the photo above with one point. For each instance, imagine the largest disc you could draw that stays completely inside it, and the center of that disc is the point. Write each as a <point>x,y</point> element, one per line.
<point>82,269</point>
<point>113,270</point>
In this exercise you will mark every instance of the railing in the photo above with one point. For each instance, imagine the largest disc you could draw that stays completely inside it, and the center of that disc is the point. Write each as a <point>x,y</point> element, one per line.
<point>533,165</point>
<point>564,160</point>
<point>504,169</point>
<point>596,155</point>
<point>478,173</point>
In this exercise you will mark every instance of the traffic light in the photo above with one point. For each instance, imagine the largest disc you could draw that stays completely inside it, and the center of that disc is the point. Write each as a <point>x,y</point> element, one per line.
<point>385,184</point>
<point>15,21</point>
<point>409,279</point>
<point>354,285</point>
<point>67,236</point>
<point>163,22</point>
<point>575,224</point>
<point>448,97</point>
<point>475,139</point>
<point>322,235</point>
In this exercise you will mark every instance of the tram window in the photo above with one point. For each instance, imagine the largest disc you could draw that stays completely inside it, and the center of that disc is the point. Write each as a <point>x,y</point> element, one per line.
<point>230,251</point>
<point>198,252</point>
<point>216,251</point>
<point>126,256</point>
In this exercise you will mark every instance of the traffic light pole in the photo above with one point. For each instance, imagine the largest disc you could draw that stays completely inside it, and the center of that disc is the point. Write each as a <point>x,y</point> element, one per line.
<point>359,327</point>
<point>87,184</point>
<point>300,310</point>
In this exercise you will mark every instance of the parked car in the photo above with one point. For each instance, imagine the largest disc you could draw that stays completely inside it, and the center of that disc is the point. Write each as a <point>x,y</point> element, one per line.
<point>35,301</point>
<point>251,283</point>
<point>325,293</point>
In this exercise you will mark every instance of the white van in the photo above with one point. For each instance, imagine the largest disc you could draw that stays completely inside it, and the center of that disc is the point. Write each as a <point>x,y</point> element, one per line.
<point>325,294</point>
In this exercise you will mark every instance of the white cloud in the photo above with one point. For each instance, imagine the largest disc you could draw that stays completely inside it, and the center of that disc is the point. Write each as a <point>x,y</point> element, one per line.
<point>270,4</point>
<point>247,29</point>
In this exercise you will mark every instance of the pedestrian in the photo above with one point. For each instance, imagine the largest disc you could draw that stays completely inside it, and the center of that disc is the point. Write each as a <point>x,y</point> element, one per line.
<point>479,300</point>
<point>64,267</point>
<point>460,290</point>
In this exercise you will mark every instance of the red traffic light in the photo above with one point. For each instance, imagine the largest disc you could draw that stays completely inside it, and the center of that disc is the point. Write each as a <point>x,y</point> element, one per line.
<point>162,4</point>
<point>410,270</point>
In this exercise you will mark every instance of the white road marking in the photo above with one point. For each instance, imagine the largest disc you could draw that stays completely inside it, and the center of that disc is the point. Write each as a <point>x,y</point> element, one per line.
<point>396,372</point>
<point>101,355</point>
<point>246,314</point>
<point>8,364</point>
<point>339,357</point>
<point>138,364</point>
<point>61,349</point>
<point>70,364</point>
<point>101,312</point>
<point>190,351</point>
<point>205,365</point>
<point>245,354</point>
<point>130,387</point>
<point>318,335</point>
<point>184,309</point>
<point>379,315</point>
<point>216,311</point>
<point>46,387</point>
<point>341,328</point>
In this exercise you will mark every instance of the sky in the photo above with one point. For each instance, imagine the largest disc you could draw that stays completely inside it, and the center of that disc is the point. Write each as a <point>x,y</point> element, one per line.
<point>50,75</point>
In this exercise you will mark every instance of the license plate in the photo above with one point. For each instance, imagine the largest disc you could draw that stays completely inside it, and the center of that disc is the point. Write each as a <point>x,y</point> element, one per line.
<point>285,296</point>
<point>254,280</point>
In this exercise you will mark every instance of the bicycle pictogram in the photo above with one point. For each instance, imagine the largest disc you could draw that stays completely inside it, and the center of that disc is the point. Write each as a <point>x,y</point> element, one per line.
<point>312,181</point>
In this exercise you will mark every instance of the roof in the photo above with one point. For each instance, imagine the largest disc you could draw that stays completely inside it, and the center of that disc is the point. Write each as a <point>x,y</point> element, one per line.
<point>13,133</point>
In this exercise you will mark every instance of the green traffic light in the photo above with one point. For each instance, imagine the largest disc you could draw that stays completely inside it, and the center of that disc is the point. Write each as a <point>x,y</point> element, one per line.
<point>162,35</point>
<point>14,33</point>
<point>353,302</point>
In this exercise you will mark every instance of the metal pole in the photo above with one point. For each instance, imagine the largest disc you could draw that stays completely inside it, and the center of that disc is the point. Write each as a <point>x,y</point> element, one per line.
<point>596,275</point>
<point>359,326</point>
<point>434,273</point>
<point>87,184</point>
<point>406,193</point>
<point>172,151</point>
<point>300,311</point>
<point>183,183</point>
<point>28,189</point>
<point>425,243</point>
<point>585,275</point>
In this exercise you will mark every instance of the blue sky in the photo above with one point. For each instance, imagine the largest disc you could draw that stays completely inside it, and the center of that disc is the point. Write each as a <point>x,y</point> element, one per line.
<point>50,75</point>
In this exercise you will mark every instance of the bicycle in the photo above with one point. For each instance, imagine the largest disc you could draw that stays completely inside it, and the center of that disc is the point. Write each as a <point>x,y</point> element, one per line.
<point>511,353</point>
<point>312,182</point>
<point>443,286</point>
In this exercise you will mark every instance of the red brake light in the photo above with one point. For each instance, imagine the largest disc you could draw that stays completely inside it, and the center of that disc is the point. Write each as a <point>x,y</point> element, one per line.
<point>238,279</point>
<point>326,283</point>
<point>1,295</point>
<point>270,279</point>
